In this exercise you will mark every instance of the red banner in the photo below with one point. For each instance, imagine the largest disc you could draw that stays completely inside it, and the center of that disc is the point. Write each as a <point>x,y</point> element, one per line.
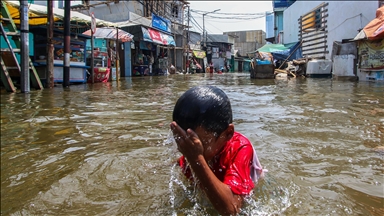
<point>156,36</point>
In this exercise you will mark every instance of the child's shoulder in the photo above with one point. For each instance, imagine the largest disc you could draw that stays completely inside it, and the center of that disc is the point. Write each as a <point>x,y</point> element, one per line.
<point>239,140</point>
<point>237,136</point>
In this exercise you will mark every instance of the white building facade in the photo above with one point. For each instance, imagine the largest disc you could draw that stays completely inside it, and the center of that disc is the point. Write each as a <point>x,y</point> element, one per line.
<point>343,21</point>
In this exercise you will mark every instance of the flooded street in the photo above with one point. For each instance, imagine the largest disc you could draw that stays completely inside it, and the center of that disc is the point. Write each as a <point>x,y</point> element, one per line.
<point>106,149</point>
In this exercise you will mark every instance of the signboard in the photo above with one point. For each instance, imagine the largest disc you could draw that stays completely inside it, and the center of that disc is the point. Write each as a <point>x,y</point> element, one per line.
<point>146,36</point>
<point>152,35</point>
<point>371,54</point>
<point>156,36</point>
<point>161,23</point>
<point>199,54</point>
<point>167,39</point>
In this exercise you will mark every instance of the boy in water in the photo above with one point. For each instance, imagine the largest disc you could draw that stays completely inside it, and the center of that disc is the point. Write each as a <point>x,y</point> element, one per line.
<point>223,161</point>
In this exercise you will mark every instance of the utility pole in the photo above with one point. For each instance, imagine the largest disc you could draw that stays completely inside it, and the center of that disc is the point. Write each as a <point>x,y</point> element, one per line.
<point>67,43</point>
<point>24,45</point>
<point>50,48</point>
<point>204,33</point>
<point>182,42</point>
<point>117,55</point>
<point>186,57</point>
<point>205,39</point>
<point>93,29</point>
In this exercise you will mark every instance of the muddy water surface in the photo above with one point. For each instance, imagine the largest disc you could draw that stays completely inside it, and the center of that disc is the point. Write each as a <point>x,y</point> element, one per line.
<point>106,149</point>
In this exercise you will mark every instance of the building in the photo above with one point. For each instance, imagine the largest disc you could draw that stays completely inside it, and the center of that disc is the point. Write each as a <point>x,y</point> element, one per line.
<point>218,50</point>
<point>320,23</point>
<point>278,19</point>
<point>247,41</point>
<point>269,27</point>
<point>161,17</point>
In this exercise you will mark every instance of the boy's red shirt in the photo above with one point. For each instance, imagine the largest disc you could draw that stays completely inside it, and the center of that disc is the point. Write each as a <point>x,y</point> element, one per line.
<point>232,165</point>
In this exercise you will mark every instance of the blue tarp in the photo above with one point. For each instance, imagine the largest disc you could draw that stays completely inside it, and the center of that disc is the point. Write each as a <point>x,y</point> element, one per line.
<point>282,51</point>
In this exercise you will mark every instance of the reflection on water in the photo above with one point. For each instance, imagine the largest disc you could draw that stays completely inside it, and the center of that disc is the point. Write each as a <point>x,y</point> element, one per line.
<point>106,149</point>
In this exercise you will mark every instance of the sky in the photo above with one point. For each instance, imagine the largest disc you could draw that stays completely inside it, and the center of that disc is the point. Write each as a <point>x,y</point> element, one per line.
<point>218,26</point>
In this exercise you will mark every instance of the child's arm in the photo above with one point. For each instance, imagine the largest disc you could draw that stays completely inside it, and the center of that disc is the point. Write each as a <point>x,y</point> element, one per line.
<point>217,192</point>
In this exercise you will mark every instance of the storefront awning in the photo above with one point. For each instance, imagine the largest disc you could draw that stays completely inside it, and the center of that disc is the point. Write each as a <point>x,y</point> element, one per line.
<point>199,54</point>
<point>37,14</point>
<point>152,35</point>
<point>110,33</point>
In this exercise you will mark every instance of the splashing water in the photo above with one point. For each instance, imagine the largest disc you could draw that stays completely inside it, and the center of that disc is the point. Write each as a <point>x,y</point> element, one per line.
<point>268,197</point>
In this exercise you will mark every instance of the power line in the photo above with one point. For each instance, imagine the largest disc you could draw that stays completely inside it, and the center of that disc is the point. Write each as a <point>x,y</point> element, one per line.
<point>237,18</point>
<point>205,29</point>
<point>222,13</point>
<point>193,18</point>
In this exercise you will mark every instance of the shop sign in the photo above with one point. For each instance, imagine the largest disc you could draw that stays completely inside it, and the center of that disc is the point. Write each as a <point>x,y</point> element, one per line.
<point>152,35</point>
<point>161,23</point>
<point>371,54</point>
<point>168,40</point>
<point>155,35</point>
<point>146,35</point>
<point>199,54</point>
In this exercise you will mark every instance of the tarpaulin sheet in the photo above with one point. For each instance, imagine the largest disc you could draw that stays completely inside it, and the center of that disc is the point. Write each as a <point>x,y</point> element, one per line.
<point>282,51</point>
<point>375,29</point>
<point>110,33</point>
<point>35,17</point>
<point>38,14</point>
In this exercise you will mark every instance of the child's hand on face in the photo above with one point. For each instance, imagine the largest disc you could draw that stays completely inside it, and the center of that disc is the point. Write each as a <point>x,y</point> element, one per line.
<point>188,143</point>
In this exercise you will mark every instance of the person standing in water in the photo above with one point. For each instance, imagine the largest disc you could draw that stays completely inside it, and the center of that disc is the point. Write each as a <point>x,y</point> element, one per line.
<point>211,67</point>
<point>223,161</point>
<point>150,62</point>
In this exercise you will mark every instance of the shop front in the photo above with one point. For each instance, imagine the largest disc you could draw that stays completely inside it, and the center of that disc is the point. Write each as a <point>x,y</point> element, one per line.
<point>198,59</point>
<point>105,56</point>
<point>151,52</point>
<point>78,72</point>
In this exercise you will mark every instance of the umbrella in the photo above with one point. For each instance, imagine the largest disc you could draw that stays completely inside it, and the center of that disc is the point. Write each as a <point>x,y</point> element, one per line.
<point>110,33</point>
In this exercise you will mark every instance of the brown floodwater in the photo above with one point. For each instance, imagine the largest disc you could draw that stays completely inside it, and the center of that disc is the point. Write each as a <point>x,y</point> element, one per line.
<point>106,149</point>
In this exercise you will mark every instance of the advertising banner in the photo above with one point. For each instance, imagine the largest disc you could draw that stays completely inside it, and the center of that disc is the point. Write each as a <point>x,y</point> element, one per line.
<point>167,39</point>
<point>156,36</point>
<point>161,23</point>
<point>152,35</point>
<point>146,35</point>
<point>199,54</point>
<point>371,54</point>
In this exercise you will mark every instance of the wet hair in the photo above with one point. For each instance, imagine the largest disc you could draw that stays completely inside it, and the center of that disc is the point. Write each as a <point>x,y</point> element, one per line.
<point>205,106</point>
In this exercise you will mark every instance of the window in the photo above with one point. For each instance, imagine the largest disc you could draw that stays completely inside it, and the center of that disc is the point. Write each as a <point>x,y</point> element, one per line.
<point>175,10</point>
